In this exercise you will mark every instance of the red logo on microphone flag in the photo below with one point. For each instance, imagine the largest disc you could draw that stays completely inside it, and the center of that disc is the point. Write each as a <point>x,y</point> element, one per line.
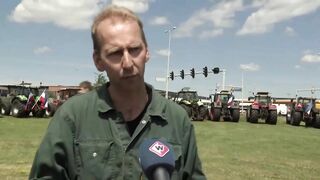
<point>159,148</point>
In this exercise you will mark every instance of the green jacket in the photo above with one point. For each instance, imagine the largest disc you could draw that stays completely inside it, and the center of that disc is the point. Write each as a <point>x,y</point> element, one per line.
<point>87,139</point>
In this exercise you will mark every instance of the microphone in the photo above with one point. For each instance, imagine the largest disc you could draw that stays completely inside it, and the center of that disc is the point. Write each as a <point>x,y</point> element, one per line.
<point>157,159</point>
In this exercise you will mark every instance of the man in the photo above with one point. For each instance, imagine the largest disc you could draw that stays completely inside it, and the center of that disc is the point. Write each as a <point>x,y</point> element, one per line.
<point>97,135</point>
<point>85,86</point>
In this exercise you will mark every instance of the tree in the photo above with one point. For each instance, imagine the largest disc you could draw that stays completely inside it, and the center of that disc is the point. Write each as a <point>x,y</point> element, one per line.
<point>100,80</point>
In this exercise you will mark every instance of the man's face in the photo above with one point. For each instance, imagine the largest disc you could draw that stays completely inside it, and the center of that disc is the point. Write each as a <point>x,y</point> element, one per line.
<point>83,90</point>
<point>122,54</point>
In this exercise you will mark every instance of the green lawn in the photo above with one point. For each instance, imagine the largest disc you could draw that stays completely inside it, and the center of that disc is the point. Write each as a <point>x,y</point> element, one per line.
<point>258,151</point>
<point>19,139</point>
<point>228,150</point>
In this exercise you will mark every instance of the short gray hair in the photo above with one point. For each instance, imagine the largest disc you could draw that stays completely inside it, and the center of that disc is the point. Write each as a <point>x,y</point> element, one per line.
<point>111,12</point>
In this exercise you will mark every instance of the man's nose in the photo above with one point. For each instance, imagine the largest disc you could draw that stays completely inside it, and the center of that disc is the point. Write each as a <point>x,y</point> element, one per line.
<point>127,60</point>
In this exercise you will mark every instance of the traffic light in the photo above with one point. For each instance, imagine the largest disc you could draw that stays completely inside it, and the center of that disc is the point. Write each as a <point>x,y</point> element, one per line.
<point>216,70</point>
<point>192,72</point>
<point>182,74</point>
<point>205,71</point>
<point>171,75</point>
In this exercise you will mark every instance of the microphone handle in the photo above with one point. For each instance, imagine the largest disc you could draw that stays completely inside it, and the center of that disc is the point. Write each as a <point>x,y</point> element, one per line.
<point>161,173</point>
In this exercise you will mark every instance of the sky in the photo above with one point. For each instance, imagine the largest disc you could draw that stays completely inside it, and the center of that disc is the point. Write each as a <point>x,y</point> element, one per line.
<point>261,45</point>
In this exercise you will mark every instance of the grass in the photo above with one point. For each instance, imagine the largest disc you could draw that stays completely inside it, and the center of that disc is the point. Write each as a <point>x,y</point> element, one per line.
<point>227,150</point>
<point>19,139</point>
<point>258,151</point>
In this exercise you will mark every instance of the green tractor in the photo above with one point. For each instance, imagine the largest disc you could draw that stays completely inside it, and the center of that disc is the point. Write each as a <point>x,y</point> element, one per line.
<point>1,105</point>
<point>4,92</point>
<point>21,100</point>
<point>191,102</point>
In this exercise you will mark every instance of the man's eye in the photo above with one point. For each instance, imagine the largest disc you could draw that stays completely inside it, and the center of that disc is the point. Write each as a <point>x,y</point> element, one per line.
<point>134,50</point>
<point>115,54</point>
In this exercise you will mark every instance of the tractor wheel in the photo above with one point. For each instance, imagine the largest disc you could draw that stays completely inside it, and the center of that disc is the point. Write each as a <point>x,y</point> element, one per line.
<point>247,115</point>
<point>51,109</point>
<point>235,114</point>
<point>39,113</point>
<point>288,118</point>
<point>5,108</point>
<point>254,116</point>
<point>316,123</point>
<point>17,109</point>
<point>203,113</point>
<point>216,114</point>
<point>308,122</point>
<point>187,108</point>
<point>273,117</point>
<point>296,119</point>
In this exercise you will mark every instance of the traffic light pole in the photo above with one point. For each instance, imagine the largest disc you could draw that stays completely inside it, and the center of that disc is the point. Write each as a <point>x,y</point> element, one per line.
<point>223,78</point>
<point>168,61</point>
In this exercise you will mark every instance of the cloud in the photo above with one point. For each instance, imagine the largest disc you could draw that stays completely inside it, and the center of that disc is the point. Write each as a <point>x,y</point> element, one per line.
<point>212,33</point>
<point>42,50</point>
<point>290,31</point>
<point>250,67</point>
<point>273,12</point>
<point>297,67</point>
<point>219,17</point>
<point>138,6</point>
<point>258,3</point>
<point>162,52</point>
<point>311,58</point>
<point>159,20</point>
<point>70,14</point>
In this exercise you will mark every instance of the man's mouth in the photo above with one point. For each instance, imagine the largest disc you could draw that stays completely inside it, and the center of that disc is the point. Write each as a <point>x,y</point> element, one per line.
<point>129,76</point>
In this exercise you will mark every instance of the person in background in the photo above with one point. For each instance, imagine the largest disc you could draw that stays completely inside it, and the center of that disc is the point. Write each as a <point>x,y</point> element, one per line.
<point>97,135</point>
<point>85,86</point>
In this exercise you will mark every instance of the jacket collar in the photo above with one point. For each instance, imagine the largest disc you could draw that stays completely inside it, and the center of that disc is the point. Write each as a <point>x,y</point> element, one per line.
<point>104,102</point>
<point>157,106</point>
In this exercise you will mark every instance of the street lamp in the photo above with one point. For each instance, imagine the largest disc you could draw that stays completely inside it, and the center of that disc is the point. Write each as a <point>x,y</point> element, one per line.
<point>223,71</point>
<point>242,79</point>
<point>168,61</point>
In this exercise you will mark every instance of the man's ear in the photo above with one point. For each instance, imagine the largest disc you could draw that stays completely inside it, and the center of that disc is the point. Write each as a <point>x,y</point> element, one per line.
<point>147,56</point>
<point>98,61</point>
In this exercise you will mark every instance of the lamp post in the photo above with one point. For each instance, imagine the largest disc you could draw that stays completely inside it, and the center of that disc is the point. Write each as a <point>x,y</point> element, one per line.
<point>168,61</point>
<point>242,91</point>
<point>223,71</point>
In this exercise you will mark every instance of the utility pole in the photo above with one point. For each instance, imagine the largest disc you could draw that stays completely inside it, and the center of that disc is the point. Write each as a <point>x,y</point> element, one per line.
<point>242,91</point>
<point>168,61</point>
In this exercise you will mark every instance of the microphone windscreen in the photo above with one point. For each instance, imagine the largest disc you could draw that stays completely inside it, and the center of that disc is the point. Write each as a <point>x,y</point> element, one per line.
<point>155,153</point>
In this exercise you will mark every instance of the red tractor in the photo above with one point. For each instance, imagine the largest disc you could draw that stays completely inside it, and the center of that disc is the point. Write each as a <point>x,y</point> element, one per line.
<point>224,105</point>
<point>55,103</point>
<point>304,109</point>
<point>263,108</point>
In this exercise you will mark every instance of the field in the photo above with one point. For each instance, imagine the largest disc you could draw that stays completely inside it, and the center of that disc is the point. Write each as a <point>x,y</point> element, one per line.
<point>228,150</point>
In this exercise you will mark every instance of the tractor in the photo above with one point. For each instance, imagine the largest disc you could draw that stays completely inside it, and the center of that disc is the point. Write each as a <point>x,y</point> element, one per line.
<point>55,103</point>
<point>1,105</point>
<point>263,108</point>
<point>224,105</point>
<point>304,109</point>
<point>21,100</point>
<point>190,101</point>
